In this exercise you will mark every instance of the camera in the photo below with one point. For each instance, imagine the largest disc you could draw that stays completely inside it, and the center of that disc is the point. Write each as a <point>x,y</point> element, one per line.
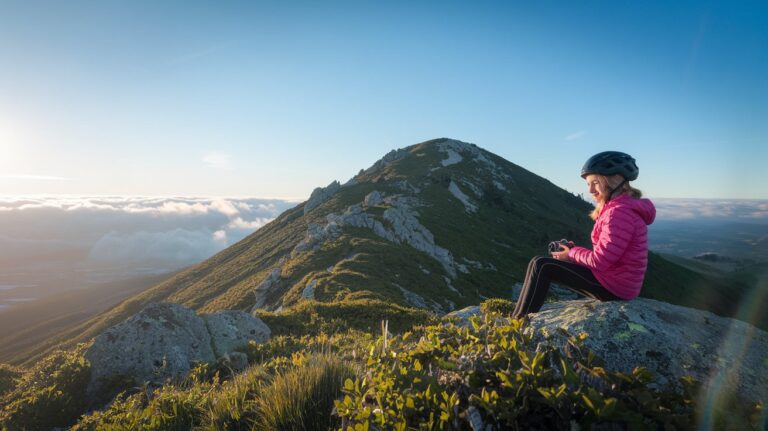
<point>557,245</point>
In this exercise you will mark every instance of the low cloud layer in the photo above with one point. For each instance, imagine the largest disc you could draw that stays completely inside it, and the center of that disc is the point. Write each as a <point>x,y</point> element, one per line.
<point>153,234</point>
<point>726,209</point>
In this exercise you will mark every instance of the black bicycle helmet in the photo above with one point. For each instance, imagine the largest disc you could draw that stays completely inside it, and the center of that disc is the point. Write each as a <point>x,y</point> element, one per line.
<point>611,163</point>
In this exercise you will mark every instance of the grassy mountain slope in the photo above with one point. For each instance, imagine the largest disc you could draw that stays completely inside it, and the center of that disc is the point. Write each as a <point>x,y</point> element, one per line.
<point>486,218</point>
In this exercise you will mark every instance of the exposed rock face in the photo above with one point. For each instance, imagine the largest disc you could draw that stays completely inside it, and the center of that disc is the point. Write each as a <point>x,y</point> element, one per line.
<point>464,314</point>
<point>469,206</point>
<point>266,286</point>
<point>166,340</point>
<point>231,329</point>
<point>321,195</point>
<point>373,198</point>
<point>454,150</point>
<point>309,290</point>
<point>407,229</point>
<point>672,341</point>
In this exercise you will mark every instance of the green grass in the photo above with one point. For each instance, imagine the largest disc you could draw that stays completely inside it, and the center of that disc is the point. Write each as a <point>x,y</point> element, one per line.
<point>313,317</point>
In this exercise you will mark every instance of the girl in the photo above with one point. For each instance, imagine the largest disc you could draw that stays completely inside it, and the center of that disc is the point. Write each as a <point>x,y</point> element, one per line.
<point>615,267</point>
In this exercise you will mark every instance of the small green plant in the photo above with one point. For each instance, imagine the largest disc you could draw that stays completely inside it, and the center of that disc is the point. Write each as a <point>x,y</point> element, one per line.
<point>51,394</point>
<point>348,345</point>
<point>497,305</point>
<point>492,375</point>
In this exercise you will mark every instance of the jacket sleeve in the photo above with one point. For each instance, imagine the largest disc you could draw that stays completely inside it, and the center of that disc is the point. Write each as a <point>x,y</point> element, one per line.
<point>615,236</point>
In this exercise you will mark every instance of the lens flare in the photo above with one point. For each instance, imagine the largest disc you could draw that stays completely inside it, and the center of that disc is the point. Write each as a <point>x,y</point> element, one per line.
<point>736,355</point>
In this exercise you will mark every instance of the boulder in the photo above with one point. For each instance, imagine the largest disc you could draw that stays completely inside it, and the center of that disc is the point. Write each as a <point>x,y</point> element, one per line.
<point>165,341</point>
<point>373,198</point>
<point>672,341</point>
<point>726,355</point>
<point>230,329</point>
<point>464,314</point>
<point>162,341</point>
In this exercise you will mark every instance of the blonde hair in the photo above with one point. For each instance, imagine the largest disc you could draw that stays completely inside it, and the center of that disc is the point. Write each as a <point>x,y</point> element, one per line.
<point>609,183</point>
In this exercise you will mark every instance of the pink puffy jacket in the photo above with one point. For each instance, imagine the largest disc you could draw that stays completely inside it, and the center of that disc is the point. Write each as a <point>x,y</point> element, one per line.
<point>619,254</point>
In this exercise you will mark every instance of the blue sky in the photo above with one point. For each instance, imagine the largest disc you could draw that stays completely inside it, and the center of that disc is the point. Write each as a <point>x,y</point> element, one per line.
<point>272,99</point>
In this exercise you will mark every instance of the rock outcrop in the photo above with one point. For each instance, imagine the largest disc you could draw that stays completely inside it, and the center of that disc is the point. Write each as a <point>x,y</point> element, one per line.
<point>165,341</point>
<point>230,329</point>
<point>320,195</point>
<point>726,355</point>
<point>270,282</point>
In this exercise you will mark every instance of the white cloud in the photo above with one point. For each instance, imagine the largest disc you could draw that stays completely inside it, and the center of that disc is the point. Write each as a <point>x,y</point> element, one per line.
<point>218,161</point>
<point>220,235</point>
<point>239,223</point>
<point>735,209</point>
<point>160,233</point>
<point>576,135</point>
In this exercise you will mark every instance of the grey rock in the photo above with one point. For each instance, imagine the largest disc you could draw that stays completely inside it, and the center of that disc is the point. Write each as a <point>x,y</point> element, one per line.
<point>316,235</point>
<point>270,282</point>
<point>475,189</point>
<point>485,164</point>
<point>672,341</point>
<point>160,342</point>
<point>309,290</point>
<point>231,329</point>
<point>453,158</point>
<point>373,198</point>
<point>469,205</point>
<point>726,355</point>
<point>464,314</point>
<point>320,195</point>
<point>418,301</point>
<point>406,228</point>
<point>165,341</point>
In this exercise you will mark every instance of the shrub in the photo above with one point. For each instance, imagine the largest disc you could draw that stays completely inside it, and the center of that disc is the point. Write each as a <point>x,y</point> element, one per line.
<point>498,305</point>
<point>167,408</point>
<point>51,394</point>
<point>492,375</point>
<point>8,377</point>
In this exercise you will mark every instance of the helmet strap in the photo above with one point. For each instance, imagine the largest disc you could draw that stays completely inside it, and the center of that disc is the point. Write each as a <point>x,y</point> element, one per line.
<point>613,190</point>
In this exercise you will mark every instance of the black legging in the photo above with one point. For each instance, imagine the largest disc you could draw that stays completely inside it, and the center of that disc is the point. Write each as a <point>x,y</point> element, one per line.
<point>542,270</point>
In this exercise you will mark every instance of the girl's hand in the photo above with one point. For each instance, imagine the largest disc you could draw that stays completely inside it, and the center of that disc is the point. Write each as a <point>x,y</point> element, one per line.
<point>563,254</point>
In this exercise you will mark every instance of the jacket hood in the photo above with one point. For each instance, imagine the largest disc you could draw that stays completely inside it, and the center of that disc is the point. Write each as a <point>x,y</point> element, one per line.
<point>643,207</point>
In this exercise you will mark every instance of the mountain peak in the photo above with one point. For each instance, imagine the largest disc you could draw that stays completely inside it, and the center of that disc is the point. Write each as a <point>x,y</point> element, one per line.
<point>438,225</point>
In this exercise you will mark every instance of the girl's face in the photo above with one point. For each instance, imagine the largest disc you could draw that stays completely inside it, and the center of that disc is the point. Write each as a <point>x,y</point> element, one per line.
<point>596,188</point>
